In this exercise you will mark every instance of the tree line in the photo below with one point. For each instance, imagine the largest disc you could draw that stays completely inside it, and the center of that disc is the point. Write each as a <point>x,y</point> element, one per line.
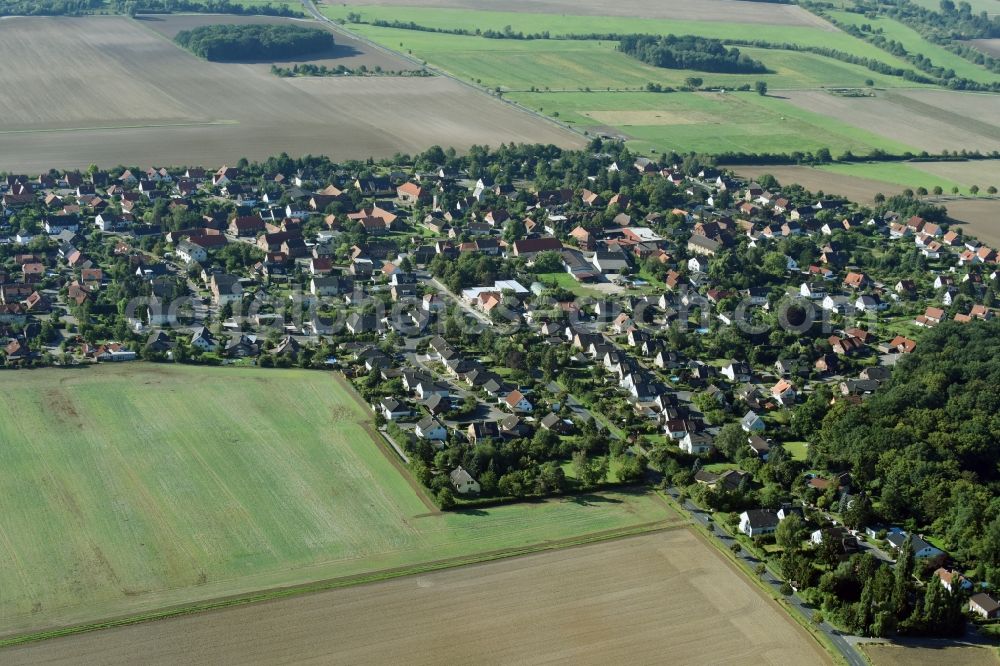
<point>689,52</point>
<point>253,42</point>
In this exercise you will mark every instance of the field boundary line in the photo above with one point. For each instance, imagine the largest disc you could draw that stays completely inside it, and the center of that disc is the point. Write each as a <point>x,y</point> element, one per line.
<point>383,446</point>
<point>336,27</point>
<point>272,594</point>
<point>727,556</point>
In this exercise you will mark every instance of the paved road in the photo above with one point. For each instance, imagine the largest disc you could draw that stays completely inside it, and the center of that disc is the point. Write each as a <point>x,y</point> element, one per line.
<point>444,291</point>
<point>844,644</point>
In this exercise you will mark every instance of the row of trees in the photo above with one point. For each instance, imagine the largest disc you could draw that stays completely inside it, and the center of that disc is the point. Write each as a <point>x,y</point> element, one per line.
<point>253,42</point>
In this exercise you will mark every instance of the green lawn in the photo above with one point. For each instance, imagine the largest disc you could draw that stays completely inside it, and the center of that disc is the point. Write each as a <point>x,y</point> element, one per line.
<point>914,43</point>
<point>707,122</point>
<point>797,450</point>
<point>133,487</point>
<point>568,282</point>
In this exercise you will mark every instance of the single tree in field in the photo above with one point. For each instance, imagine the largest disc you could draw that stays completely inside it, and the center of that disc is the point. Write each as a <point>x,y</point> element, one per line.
<point>694,81</point>
<point>974,189</point>
<point>922,191</point>
<point>954,190</point>
<point>761,87</point>
<point>992,189</point>
<point>879,198</point>
<point>937,190</point>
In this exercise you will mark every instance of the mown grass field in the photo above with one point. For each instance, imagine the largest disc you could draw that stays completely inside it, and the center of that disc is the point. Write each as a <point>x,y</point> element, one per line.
<point>570,24</point>
<point>706,122</point>
<point>906,175</point>
<point>548,75</point>
<point>913,42</point>
<point>136,487</point>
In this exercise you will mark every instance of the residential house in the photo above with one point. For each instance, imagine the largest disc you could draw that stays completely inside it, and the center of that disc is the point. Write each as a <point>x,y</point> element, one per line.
<point>463,481</point>
<point>758,522</point>
<point>432,429</point>
<point>752,423</point>
<point>516,402</point>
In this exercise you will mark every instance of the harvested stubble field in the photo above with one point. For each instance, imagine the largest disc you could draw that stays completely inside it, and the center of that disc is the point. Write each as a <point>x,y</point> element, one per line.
<point>953,655</point>
<point>136,487</point>
<point>666,597</point>
<point>931,120</point>
<point>735,11</point>
<point>109,90</point>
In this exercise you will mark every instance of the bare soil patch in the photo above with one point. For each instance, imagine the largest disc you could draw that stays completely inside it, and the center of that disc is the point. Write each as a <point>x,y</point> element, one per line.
<point>108,90</point>
<point>856,189</point>
<point>932,120</point>
<point>981,218</point>
<point>987,46</point>
<point>662,594</point>
<point>730,11</point>
<point>953,655</point>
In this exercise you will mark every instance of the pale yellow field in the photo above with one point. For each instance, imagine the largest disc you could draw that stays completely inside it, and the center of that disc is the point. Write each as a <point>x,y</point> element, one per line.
<point>109,90</point>
<point>662,598</point>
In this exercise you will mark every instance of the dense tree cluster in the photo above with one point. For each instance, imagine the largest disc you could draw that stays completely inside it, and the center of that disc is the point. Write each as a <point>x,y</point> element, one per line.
<point>689,52</point>
<point>253,42</point>
<point>49,7</point>
<point>926,445</point>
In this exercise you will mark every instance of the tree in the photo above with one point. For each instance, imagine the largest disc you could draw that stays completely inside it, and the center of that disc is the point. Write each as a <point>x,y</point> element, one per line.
<point>905,564</point>
<point>445,498</point>
<point>589,472</point>
<point>693,81</point>
<point>761,88</point>
<point>791,532</point>
<point>974,190</point>
<point>759,569</point>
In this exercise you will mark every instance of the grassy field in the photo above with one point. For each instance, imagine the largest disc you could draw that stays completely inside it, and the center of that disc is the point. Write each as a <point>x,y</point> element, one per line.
<point>185,110</point>
<point>645,597</point>
<point>913,42</point>
<point>706,122</point>
<point>134,487</point>
<point>903,174</point>
<point>724,11</point>
<point>571,23</point>
<point>905,655</point>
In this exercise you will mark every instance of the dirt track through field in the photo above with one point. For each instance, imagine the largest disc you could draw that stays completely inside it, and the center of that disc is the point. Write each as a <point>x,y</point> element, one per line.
<point>733,11</point>
<point>109,90</point>
<point>663,597</point>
